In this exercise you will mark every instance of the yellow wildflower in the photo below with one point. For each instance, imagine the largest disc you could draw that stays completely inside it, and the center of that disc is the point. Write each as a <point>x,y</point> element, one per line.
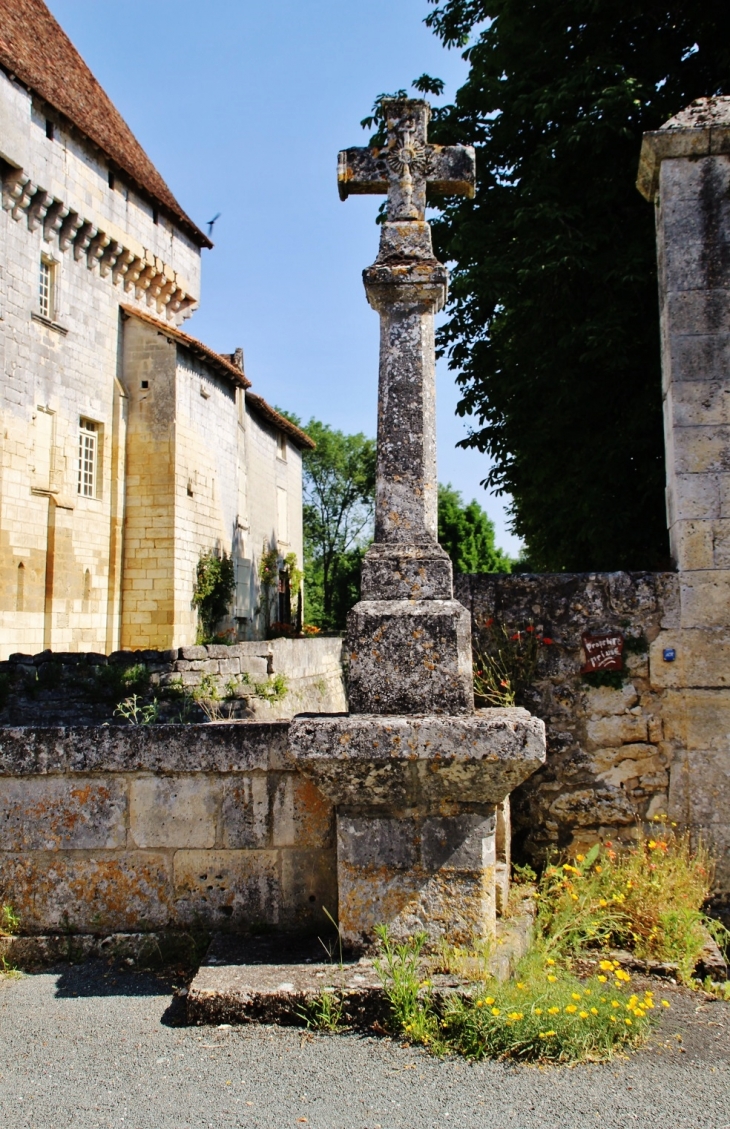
<point>583,1014</point>
<point>495,1011</point>
<point>575,995</point>
<point>603,979</point>
<point>515,1015</point>
<point>552,979</point>
<point>520,985</point>
<point>615,1003</point>
<point>538,1011</point>
<point>606,965</point>
<point>553,1010</point>
<point>652,844</point>
<point>480,1003</point>
<point>629,1022</point>
<point>666,1003</point>
<point>603,902</point>
<point>594,1011</point>
<point>580,857</point>
<point>549,961</point>
<point>571,1008</point>
<point>489,1000</point>
<point>612,1018</point>
<point>599,869</point>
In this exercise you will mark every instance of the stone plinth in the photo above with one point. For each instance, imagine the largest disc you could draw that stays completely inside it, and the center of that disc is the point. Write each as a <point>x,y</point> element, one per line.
<point>416,813</point>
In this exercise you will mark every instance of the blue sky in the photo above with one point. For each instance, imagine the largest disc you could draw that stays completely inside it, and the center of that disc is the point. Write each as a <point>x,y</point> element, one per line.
<point>243,107</point>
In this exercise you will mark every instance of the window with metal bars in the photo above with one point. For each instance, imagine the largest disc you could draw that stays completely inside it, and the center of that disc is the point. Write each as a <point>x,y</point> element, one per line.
<point>88,457</point>
<point>45,290</point>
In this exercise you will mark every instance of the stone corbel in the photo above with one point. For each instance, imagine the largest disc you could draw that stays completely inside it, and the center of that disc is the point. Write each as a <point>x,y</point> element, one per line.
<point>109,258</point>
<point>163,298</point>
<point>69,230</point>
<point>84,235</point>
<point>96,249</point>
<point>133,272</point>
<point>145,278</point>
<point>37,208</point>
<point>17,192</point>
<point>122,265</point>
<point>157,283</point>
<point>54,217</point>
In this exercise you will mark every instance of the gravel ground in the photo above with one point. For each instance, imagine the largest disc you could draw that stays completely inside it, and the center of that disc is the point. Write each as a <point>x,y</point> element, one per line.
<point>94,1046</point>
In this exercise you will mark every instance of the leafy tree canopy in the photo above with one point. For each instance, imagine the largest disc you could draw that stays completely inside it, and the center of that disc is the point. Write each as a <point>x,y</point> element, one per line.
<point>467,535</point>
<point>553,318</point>
<point>339,496</point>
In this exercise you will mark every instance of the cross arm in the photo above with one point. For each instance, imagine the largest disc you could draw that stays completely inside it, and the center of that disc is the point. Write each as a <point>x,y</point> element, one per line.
<point>361,171</point>
<point>452,170</point>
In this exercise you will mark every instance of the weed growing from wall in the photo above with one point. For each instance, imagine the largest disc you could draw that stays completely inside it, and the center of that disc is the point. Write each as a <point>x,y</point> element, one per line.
<point>506,661</point>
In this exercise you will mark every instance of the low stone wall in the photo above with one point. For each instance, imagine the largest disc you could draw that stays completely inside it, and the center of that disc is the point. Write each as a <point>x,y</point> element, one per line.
<point>267,680</point>
<point>611,756</point>
<point>109,829</point>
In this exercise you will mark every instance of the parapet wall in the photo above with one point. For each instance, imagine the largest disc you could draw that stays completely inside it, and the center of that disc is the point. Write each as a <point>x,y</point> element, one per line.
<point>267,680</point>
<point>109,829</point>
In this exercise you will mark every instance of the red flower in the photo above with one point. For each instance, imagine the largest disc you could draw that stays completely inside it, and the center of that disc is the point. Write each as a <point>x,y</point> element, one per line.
<point>488,622</point>
<point>530,629</point>
<point>517,636</point>
<point>547,642</point>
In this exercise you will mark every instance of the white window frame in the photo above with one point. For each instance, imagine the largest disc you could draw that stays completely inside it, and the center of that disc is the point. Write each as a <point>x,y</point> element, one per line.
<point>88,464</point>
<point>47,288</point>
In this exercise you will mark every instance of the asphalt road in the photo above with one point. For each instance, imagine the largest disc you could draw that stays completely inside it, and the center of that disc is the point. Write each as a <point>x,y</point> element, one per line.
<point>92,1046</point>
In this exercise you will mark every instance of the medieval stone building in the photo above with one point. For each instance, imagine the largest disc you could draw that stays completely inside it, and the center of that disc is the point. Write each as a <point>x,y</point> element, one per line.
<point>127,448</point>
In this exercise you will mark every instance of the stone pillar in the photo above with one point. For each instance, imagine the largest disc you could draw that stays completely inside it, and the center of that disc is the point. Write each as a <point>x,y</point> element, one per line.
<point>685,172</point>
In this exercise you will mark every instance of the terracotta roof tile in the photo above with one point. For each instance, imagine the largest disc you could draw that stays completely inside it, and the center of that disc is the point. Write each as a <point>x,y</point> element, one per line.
<point>301,439</point>
<point>37,51</point>
<point>215,360</point>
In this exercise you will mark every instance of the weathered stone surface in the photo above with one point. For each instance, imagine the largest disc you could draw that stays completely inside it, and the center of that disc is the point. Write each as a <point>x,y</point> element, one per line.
<point>173,812</point>
<point>433,875</point>
<point>375,763</point>
<point>409,657</point>
<point>51,814</point>
<point>406,572</point>
<point>301,813</point>
<point>227,747</point>
<point>245,813</point>
<point>237,888</point>
<point>88,892</point>
<point>309,887</point>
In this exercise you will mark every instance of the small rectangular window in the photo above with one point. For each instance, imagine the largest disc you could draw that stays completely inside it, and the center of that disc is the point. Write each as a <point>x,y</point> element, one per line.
<point>45,289</point>
<point>281,445</point>
<point>88,457</point>
<point>112,180</point>
<point>50,132</point>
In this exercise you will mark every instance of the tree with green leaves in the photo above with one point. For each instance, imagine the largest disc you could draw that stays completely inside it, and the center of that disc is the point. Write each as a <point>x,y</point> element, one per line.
<point>467,535</point>
<point>553,322</point>
<point>339,498</point>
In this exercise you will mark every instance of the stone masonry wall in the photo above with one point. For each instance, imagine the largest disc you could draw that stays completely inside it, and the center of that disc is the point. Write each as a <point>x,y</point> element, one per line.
<point>83,689</point>
<point>614,755</point>
<point>110,830</point>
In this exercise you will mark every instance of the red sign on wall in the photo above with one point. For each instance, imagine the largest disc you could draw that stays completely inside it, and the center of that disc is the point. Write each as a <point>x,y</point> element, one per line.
<point>603,652</point>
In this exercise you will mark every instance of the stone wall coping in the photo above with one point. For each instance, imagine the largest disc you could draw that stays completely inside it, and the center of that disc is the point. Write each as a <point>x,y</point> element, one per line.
<point>201,652</point>
<point>702,130</point>
<point>230,746</point>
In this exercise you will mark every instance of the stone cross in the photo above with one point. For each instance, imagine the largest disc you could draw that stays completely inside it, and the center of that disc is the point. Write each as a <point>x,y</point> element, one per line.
<point>422,661</point>
<point>407,164</point>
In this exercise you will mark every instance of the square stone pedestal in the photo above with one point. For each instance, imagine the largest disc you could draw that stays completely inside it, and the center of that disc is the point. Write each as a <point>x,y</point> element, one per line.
<point>416,801</point>
<point>432,874</point>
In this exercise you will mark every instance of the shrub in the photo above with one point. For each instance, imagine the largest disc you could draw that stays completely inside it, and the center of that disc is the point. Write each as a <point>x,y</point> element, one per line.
<point>215,584</point>
<point>506,661</point>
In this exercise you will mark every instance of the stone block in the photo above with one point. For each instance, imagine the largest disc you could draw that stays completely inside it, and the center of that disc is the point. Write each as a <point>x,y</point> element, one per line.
<point>702,659</point>
<point>406,572</point>
<point>604,701</point>
<point>364,763</point>
<point>697,719</point>
<point>245,820</point>
<point>623,729</point>
<point>302,816</point>
<point>410,657</point>
<point>701,449</point>
<point>54,813</point>
<point>435,874</point>
<point>250,664</point>
<point>107,892</point>
<point>705,598</point>
<point>227,888</point>
<point>589,807</point>
<point>173,811</point>
<point>193,654</point>
<point>308,886</point>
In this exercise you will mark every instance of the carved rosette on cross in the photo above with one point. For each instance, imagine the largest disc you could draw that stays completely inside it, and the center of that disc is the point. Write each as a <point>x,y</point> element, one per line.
<point>415,773</point>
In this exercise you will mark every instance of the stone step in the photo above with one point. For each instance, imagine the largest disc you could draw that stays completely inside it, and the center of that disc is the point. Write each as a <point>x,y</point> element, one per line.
<point>280,979</point>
